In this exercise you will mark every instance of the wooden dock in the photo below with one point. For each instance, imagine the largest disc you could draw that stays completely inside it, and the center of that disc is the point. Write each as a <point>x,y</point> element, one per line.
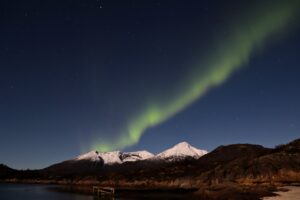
<point>103,191</point>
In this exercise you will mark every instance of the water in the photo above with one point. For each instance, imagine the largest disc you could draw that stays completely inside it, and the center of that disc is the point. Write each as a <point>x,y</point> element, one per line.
<point>36,192</point>
<point>52,192</point>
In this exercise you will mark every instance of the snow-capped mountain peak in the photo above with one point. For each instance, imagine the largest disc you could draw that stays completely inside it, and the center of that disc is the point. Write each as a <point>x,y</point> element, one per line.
<point>181,150</point>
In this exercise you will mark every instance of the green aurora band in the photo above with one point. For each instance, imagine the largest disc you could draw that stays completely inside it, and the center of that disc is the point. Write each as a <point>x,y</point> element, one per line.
<point>229,54</point>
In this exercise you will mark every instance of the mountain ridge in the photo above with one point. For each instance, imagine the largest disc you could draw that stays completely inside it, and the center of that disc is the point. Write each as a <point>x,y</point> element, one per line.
<point>182,149</point>
<point>179,151</point>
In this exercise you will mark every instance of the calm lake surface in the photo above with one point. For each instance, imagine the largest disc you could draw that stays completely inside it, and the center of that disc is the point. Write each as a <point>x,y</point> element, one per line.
<point>53,192</point>
<point>36,192</point>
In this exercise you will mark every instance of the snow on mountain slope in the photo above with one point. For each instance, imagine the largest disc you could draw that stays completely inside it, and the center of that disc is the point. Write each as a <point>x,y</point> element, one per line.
<point>177,152</point>
<point>107,157</point>
<point>135,156</point>
<point>115,156</point>
<point>92,156</point>
<point>111,157</point>
<point>181,150</point>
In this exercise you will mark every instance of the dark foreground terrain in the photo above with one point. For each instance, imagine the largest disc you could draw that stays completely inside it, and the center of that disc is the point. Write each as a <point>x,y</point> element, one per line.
<point>239,171</point>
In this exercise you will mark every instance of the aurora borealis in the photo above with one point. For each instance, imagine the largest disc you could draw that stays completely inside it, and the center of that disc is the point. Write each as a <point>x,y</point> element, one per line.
<point>246,36</point>
<point>131,75</point>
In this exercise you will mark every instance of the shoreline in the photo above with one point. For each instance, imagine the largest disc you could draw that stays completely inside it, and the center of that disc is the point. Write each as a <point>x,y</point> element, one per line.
<point>217,191</point>
<point>286,193</point>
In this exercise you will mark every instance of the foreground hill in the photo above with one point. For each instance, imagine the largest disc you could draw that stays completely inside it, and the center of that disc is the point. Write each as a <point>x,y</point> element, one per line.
<point>6,171</point>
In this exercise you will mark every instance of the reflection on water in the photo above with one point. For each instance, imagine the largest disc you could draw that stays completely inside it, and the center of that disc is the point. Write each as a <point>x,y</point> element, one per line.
<point>52,192</point>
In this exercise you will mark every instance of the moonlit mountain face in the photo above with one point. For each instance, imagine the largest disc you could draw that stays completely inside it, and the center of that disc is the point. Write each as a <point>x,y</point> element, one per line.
<point>105,157</point>
<point>114,157</point>
<point>136,155</point>
<point>180,151</point>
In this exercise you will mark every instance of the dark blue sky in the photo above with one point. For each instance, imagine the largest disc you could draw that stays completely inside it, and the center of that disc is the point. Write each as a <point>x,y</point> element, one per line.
<point>72,71</point>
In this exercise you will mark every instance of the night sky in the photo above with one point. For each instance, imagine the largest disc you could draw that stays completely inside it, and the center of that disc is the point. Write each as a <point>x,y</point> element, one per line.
<point>79,75</point>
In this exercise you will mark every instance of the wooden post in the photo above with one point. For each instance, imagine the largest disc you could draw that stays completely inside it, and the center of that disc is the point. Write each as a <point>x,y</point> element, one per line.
<point>103,190</point>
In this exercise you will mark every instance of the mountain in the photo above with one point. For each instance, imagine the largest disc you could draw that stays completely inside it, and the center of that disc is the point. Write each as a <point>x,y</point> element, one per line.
<point>181,151</point>
<point>98,162</point>
<point>105,157</point>
<point>243,169</point>
<point>114,157</point>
